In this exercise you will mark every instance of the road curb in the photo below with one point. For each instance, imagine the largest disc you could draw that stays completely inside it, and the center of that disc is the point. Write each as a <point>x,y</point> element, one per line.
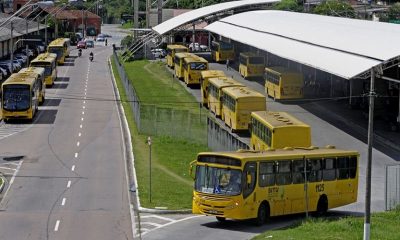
<point>164,211</point>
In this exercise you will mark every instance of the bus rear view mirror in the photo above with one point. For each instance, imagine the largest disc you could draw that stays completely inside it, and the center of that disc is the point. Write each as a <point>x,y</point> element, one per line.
<point>191,166</point>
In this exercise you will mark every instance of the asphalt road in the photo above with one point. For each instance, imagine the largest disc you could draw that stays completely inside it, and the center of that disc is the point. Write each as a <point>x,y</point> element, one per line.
<point>72,182</point>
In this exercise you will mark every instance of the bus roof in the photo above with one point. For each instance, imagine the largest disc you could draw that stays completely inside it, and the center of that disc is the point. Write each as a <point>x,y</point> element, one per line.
<point>281,70</point>
<point>176,46</point>
<point>35,70</point>
<point>221,82</point>
<point>250,54</point>
<point>278,119</point>
<point>212,73</point>
<point>284,154</point>
<point>21,78</point>
<point>45,57</point>
<point>194,59</point>
<point>58,42</point>
<point>185,54</point>
<point>242,92</point>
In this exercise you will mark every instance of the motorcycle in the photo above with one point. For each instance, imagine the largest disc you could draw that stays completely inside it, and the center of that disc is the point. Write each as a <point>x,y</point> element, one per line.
<point>80,53</point>
<point>91,58</point>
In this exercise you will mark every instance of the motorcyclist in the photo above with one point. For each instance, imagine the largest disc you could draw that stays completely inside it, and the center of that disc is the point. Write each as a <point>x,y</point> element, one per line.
<point>91,56</point>
<point>80,52</point>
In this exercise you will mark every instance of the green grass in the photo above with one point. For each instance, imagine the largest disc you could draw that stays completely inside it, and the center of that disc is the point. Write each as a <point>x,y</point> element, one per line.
<point>171,185</point>
<point>383,226</point>
<point>155,85</point>
<point>127,25</point>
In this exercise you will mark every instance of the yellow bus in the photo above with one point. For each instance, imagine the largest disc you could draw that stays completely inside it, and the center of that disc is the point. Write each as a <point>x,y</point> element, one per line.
<point>278,130</point>
<point>20,96</point>
<point>171,50</point>
<point>257,185</point>
<point>215,86</point>
<point>49,62</point>
<point>238,103</point>
<point>60,46</point>
<point>192,67</point>
<point>251,65</point>
<point>222,51</point>
<point>283,83</point>
<point>38,72</point>
<point>204,76</point>
<point>178,61</point>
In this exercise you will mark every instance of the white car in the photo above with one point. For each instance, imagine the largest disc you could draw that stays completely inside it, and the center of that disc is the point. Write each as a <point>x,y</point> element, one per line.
<point>196,47</point>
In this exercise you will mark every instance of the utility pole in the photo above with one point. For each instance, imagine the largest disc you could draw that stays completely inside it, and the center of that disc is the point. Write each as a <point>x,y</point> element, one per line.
<point>367,219</point>
<point>135,17</point>
<point>148,7</point>
<point>159,8</point>
<point>12,47</point>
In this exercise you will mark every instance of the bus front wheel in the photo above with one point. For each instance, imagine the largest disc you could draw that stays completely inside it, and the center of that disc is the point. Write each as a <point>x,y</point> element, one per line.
<point>262,215</point>
<point>221,219</point>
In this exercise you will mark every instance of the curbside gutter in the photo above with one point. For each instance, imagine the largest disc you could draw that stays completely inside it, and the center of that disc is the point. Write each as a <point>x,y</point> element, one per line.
<point>131,161</point>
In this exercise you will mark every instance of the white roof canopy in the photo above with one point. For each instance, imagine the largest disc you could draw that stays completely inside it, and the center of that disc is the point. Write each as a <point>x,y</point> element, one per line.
<point>341,46</point>
<point>199,13</point>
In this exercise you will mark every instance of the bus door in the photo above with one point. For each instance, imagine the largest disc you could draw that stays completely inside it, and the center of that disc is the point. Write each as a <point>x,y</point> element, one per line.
<point>250,205</point>
<point>282,202</point>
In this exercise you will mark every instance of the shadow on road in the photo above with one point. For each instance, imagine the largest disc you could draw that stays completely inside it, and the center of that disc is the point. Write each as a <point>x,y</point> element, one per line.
<point>46,116</point>
<point>52,103</point>
<point>60,85</point>
<point>62,79</point>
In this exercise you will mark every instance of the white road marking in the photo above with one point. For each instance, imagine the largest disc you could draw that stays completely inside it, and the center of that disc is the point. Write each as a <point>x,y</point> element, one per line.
<point>77,144</point>
<point>13,169</point>
<point>73,168</point>
<point>83,107</point>
<point>81,119</point>
<point>83,113</point>
<point>152,224</point>
<point>170,223</point>
<point>159,217</point>
<point>69,184</point>
<point>80,126</point>
<point>80,134</point>
<point>63,202</point>
<point>56,226</point>
<point>84,102</point>
<point>76,155</point>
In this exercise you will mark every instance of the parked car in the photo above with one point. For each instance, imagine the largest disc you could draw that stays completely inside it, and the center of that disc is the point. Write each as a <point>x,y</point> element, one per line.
<point>90,43</point>
<point>4,73</point>
<point>81,45</point>
<point>7,67</point>
<point>159,53</point>
<point>196,47</point>
<point>21,56</point>
<point>100,38</point>
<point>28,52</point>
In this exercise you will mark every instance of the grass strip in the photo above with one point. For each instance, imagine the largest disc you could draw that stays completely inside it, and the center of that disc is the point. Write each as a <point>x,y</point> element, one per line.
<point>171,185</point>
<point>384,225</point>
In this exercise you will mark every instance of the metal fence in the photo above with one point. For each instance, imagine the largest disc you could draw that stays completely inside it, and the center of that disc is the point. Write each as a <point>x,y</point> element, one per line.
<point>221,139</point>
<point>392,187</point>
<point>157,120</point>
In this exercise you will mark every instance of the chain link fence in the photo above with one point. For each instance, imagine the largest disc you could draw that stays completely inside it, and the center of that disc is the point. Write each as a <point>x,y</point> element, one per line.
<point>221,139</point>
<point>158,120</point>
<point>392,187</point>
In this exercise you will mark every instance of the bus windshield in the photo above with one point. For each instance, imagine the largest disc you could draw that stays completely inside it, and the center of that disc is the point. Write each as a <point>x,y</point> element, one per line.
<point>57,50</point>
<point>223,181</point>
<point>47,67</point>
<point>16,97</point>
<point>198,66</point>
<point>256,60</point>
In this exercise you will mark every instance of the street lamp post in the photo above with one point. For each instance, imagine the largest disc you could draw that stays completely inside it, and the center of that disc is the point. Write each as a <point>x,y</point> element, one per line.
<point>149,143</point>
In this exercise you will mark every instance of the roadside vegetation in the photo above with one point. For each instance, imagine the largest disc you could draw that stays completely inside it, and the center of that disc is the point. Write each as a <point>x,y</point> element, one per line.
<point>171,185</point>
<point>383,226</point>
<point>1,183</point>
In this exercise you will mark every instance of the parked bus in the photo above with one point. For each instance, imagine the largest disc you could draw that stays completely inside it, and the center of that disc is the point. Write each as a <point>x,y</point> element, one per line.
<point>215,86</point>
<point>20,96</point>
<point>171,50</point>
<point>61,47</point>
<point>204,76</point>
<point>257,185</point>
<point>49,62</point>
<point>283,83</point>
<point>238,103</point>
<point>278,130</point>
<point>251,65</point>
<point>38,72</point>
<point>178,61</point>
<point>192,67</point>
<point>222,51</point>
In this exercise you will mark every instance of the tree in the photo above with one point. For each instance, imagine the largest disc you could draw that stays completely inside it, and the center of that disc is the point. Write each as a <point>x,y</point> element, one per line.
<point>394,12</point>
<point>335,8</point>
<point>288,5</point>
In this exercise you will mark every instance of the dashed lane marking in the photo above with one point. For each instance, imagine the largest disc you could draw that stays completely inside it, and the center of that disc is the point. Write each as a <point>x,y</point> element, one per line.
<point>56,226</point>
<point>63,202</point>
<point>69,184</point>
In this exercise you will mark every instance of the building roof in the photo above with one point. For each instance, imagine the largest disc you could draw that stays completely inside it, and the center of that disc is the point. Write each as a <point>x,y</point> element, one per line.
<point>341,46</point>
<point>203,12</point>
<point>69,14</point>
<point>19,27</point>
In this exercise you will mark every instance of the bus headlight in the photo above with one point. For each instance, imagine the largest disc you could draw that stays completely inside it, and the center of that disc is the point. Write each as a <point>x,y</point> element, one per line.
<point>232,206</point>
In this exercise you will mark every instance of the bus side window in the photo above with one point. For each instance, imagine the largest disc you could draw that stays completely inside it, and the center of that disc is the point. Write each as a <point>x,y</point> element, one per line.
<point>267,174</point>
<point>250,169</point>
<point>342,171</point>
<point>353,166</point>
<point>329,169</point>
<point>284,173</point>
<point>298,171</point>
<point>314,170</point>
